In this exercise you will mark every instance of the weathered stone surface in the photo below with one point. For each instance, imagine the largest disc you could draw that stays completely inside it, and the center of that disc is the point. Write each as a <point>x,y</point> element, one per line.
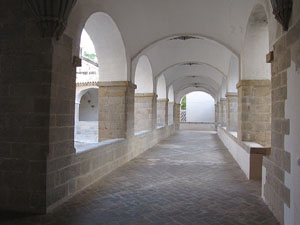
<point>254,111</point>
<point>189,178</point>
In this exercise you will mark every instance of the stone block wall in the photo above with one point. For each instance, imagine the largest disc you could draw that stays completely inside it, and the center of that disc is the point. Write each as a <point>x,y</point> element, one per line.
<point>176,115</point>
<point>232,111</point>
<point>254,111</point>
<point>162,112</point>
<point>87,167</point>
<point>222,112</point>
<point>116,109</point>
<point>281,183</point>
<point>143,111</point>
<point>171,113</point>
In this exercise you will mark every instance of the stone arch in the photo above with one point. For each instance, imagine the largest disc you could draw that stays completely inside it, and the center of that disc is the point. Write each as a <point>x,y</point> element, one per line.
<point>256,46</point>
<point>161,89</point>
<point>188,90</point>
<point>200,107</point>
<point>109,47</point>
<point>143,76</point>
<point>86,115</point>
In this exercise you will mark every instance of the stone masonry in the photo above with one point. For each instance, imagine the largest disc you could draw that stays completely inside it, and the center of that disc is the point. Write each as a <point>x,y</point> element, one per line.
<point>162,112</point>
<point>171,113</point>
<point>144,111</point>
<point>232,111</point>
<point>223,110</point>
<point>116,109</point>
<point>254,111</point>
<point>278,163</point>
<point>177,115</point>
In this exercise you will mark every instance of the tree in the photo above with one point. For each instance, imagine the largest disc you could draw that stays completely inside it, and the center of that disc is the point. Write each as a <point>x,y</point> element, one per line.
<point>183,103</point>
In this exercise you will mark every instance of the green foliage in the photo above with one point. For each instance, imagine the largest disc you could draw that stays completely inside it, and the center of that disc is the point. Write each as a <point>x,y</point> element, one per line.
<point>183,103</point>
<point>90,56</point>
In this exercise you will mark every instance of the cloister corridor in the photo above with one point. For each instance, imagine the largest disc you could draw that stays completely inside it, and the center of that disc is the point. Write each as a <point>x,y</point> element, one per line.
<point>189,178</point>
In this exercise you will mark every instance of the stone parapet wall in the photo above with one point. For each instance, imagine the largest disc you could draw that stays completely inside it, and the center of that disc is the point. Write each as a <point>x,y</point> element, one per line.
<point>254,111</point>
<point>85,168</point>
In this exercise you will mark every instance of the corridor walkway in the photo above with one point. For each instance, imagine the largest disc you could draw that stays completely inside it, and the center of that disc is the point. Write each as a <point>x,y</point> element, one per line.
<point>189,179</point>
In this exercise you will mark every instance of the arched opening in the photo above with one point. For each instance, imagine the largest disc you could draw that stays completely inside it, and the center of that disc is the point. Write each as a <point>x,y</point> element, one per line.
<point>200,107</point>
<point>255,86</point>
<point>86,126</point>
<point>162,101</point>
<point>109,47</point>
<point>86,102</point>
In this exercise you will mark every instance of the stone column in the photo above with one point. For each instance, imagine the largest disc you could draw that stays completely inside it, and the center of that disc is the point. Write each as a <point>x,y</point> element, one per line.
<point>162,112</point>
<point>232,111</point>
<point>171,113</point>
<point>116,109</point>
<point>254,111</point>
<point>144,111</point>
<point>222,109</point>
<point>217,113</point>
<point>176,115</point>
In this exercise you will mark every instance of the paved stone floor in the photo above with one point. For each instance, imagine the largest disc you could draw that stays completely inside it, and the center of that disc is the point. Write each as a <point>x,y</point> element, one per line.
<point>189,179</point>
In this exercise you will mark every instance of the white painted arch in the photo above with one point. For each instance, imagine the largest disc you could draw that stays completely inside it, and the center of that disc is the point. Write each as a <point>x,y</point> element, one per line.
<point>143,76</point>
<point>109,47</point>
<point>161,89</point>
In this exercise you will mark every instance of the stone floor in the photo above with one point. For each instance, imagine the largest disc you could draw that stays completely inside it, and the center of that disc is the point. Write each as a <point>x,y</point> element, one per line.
<point>189,179</point>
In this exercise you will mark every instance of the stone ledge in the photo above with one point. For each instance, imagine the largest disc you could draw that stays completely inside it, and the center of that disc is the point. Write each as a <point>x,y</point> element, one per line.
<point>249,155</point>
<point>261,83</point>
<point>116,84</point>
<point>145,95</point>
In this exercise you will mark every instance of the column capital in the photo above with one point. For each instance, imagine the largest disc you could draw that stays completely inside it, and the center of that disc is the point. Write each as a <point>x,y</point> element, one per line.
<point>141,95</point>
<point>253,83</point>
<point>116,84</point>
<point>231,94</point>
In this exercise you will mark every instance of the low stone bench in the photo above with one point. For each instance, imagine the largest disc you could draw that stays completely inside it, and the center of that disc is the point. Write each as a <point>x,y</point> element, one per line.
<point>249,155</point>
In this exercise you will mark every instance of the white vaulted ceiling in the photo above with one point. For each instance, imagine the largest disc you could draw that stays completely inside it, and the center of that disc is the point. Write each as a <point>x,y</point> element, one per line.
<point>155,28</point>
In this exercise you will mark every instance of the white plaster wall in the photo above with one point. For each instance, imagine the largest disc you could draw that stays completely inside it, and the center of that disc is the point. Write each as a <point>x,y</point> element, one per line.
<point>233,75</point>
<point>171,94</point>
<point>161,87</point>
<point>237,152</point>
<point>292,143</point>
<point>109,47</point>
<point>88,108</point>
<point>256,47</point>
<point>200,107</point>
<point>143,76</point>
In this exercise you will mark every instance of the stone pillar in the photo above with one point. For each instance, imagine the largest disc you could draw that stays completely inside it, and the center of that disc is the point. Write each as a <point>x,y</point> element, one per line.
<point>144,111</point>
<point>222,111</point>
<point>162,112</point>
<point>176,115</point>
<point>217,113</point>
<point>116,109</point>
<point>232,111</point>
<point>254,111</point>
<point>171,113</point>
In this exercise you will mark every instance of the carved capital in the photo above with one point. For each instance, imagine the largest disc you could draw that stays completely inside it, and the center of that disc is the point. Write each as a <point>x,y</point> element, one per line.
<point>51,15</point>
<point>282,9</point>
